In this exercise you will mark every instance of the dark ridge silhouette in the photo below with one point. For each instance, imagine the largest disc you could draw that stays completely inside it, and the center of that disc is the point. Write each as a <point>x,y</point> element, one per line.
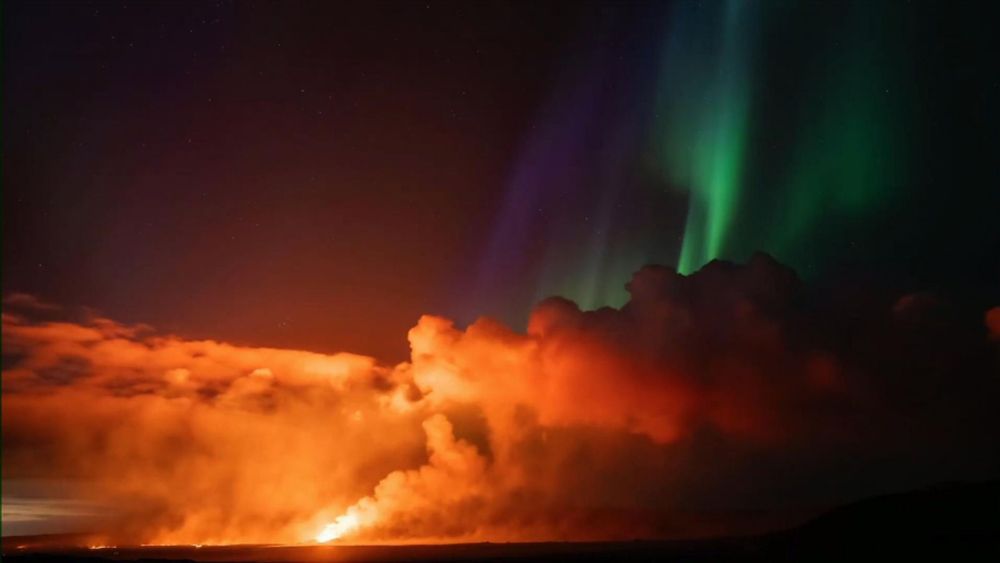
<point>949,522</point>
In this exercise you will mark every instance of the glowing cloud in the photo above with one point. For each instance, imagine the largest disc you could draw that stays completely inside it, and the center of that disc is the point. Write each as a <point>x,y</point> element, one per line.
<point>592,424</point>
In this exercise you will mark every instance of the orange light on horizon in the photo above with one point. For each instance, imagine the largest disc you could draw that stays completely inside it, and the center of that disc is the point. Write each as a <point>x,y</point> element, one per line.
<point>338,528</point>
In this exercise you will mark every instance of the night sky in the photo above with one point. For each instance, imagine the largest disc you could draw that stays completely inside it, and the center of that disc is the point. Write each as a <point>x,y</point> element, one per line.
<point>303,175</point>
<point>297,272</point>
<point>319,174</point>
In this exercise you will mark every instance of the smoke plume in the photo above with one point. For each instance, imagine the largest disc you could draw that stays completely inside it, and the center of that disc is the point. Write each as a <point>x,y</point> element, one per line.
<point>725,401</point>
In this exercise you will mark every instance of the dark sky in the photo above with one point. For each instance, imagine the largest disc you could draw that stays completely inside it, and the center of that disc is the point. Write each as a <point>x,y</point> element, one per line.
<point>317,175</point>
<point>310,175</point>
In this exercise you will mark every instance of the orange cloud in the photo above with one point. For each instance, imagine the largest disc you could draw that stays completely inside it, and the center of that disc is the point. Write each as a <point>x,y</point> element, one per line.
<point>667,417</point>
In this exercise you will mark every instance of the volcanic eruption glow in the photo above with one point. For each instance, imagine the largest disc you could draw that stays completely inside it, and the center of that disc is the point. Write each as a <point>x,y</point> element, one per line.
<point>339,527</point>
<point>503,272</point>
<point>591,425</point>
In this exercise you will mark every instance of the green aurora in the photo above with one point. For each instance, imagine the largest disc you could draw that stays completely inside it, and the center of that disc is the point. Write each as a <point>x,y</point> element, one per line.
<point>687,132</point>
<point>704,102</point>
<point>837,154</point>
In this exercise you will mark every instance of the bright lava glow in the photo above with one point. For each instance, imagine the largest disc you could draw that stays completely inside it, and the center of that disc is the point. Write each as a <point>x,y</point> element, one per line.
<point>338,528</point>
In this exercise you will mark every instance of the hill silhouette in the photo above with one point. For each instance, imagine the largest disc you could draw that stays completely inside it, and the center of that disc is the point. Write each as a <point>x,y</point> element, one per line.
<point>948,522</point>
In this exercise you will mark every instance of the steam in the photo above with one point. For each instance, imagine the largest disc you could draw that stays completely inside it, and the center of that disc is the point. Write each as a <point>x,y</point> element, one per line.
<point>706,397</point>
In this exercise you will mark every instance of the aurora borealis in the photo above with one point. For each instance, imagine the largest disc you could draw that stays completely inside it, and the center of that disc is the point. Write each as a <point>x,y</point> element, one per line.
<point>494,272</point>
<point>689,112</point>
<point>701,120</point>
<point>473,162</point>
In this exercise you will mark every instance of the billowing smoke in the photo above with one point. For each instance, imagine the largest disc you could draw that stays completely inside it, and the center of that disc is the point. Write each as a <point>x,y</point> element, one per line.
<point>731,400</point>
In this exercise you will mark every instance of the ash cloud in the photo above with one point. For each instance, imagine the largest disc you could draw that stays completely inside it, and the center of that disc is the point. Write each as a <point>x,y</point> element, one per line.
<point>727,401</point>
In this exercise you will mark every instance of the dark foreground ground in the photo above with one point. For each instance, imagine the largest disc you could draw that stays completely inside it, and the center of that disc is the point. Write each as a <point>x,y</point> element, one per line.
<point>945,523</point>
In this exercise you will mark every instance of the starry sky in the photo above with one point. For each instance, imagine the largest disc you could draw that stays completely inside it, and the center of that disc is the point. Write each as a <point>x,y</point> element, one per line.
<point>317,175</point>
